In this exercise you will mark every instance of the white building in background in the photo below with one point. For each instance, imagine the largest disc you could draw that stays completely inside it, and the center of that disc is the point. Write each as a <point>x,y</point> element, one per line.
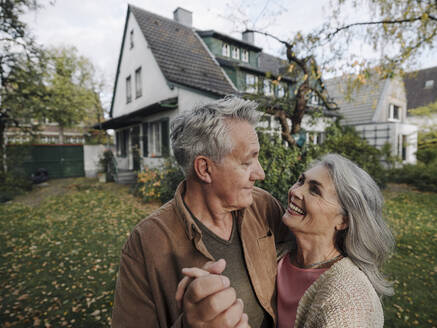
<point>378,112</point>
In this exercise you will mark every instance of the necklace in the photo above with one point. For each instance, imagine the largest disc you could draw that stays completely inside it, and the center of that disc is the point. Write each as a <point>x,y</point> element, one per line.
<point>313,265</point>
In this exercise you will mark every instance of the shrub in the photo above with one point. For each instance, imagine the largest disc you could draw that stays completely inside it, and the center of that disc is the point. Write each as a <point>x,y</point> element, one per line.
<point>345,141</point>
<point>423,177</point>
<point>16,180</point>
<point>159,183</point>
<point>108,164</point>
<point>148,184</point>
<point>171,176</point>
<point>282,165</point>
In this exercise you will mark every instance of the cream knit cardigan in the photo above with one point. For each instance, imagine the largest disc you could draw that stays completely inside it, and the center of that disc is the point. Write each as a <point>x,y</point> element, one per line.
<point>341,297</point>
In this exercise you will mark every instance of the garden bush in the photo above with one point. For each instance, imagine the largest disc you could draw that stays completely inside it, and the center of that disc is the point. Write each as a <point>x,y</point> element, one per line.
<point>345,141</point>
<point>159,183</point>
<point>421,176</point>
<point>15,181</point>
<point>282,165</point>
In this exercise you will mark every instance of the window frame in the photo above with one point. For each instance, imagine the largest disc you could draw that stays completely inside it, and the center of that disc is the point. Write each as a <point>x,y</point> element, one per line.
<point>235,53</point>
<point>128,89</point>
<point>245,55</point>
<point>391,113</point>
<point>226,49</point>
<point>138,83</point>
<point>251,87</point>
<point>268,89</point>
<point>131,38</point>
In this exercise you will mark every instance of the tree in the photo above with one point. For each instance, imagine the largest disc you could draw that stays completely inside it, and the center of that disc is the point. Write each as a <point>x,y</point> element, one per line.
<point>399,32</point>
<point>72,90</point>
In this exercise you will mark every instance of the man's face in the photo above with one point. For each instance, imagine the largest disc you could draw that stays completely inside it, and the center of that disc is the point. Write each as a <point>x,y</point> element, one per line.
<point>233,178</point>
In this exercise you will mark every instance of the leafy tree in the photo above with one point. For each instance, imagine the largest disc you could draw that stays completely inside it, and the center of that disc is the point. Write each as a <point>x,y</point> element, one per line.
<point>399,31</point>
<point>72,89</point>
<point>17,48</point>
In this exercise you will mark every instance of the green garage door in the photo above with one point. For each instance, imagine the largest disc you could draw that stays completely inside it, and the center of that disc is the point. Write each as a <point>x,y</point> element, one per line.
<point>59,161</point>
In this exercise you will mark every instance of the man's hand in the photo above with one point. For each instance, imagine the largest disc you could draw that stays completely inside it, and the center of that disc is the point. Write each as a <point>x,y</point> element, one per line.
<point>208,300</point>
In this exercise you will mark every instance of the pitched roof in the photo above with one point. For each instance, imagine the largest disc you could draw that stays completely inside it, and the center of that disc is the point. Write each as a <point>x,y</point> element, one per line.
<point>417,94</point>
<point>362,104</point>
<point>180,53</point>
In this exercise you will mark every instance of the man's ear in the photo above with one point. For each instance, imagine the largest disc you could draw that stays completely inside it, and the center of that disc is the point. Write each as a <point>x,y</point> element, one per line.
<point>202,168</point>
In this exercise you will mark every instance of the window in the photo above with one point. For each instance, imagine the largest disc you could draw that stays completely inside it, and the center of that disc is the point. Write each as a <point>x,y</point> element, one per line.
<point>251,83</point>
<point>235,53</point>
<point>131,38</point>
<point>128,89</point>
<point>394,113</point>
<point>314,99</point>
<point>404,147</point>
<point>245,55</point>
<point>226,51</point>
<point>138,83</point>
<point>121,139</point>
<point>281,90</point>
<point>429,84</point>
<point>156,138</point>
<point>268,87</point>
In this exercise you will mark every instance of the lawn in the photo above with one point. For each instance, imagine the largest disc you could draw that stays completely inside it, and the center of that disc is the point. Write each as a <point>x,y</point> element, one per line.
<point>59,255</point>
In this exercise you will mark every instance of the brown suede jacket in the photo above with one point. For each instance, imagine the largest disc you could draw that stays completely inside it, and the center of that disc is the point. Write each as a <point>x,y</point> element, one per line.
<point>169,240</point>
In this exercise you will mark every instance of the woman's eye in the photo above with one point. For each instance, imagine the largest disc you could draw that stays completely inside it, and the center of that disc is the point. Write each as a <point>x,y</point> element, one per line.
<point>300,180</point>
<point>315,190</point>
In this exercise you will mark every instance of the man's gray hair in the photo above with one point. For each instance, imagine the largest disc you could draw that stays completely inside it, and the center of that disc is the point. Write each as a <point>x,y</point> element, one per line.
<point>368,240</point>
<point>204,131</point>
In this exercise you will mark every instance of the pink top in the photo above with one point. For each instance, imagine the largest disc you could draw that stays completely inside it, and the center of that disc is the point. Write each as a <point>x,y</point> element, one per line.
<point>292,282</point>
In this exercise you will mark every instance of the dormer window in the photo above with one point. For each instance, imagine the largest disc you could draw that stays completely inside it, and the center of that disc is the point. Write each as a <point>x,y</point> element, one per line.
<point>131,38</point>
<point>429,84</point>
<point>226,50</point>
<point>236,53</point>
<point>245,55</point>
<point>394,113</point>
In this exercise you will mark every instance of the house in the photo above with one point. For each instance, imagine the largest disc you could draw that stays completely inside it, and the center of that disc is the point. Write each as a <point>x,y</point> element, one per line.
<point>45,132</point>
<point>378,112</point>
<point>166,67</point>
<point>421,89</point>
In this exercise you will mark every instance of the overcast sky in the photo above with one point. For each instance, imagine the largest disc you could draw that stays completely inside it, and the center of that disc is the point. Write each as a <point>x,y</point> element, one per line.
<point>95,27</point>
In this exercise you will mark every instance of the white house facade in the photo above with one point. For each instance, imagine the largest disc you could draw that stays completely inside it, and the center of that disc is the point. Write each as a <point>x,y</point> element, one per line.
<point>378,112</point>
<point>166,67</point>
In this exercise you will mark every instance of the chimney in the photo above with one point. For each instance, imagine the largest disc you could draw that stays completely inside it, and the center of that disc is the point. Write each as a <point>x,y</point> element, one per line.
<point>183,16</point>
<point>249,37</point>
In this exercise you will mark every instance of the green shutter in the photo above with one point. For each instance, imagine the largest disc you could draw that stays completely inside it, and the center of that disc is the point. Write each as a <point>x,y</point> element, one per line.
<point>165,138</point>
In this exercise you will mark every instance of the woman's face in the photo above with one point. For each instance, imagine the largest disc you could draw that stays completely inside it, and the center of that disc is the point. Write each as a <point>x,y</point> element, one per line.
<point>313,206</point>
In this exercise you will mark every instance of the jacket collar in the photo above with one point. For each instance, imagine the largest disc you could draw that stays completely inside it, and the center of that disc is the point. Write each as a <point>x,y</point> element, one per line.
<point>191,228</point>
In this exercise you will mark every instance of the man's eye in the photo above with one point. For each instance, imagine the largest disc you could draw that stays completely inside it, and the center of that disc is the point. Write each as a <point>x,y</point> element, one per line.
<point>300,181</point>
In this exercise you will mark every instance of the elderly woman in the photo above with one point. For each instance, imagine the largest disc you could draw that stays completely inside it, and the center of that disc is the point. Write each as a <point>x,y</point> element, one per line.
<point>332,277</point>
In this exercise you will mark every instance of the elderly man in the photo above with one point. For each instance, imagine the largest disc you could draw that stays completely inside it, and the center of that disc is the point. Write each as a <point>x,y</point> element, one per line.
<point>216,213</point>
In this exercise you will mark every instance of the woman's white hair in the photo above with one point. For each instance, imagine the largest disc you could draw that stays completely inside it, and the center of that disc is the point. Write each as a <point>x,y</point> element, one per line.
<point>204,131</point>
<point>367,240</point>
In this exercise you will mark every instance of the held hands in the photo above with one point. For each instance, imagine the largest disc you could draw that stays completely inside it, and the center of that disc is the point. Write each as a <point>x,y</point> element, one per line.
<point>208,300</point>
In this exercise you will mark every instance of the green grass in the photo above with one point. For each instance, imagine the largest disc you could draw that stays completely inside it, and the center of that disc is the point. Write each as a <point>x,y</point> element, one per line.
<point>59,256</point>
<point>413,268</point>
<point>59,259</point>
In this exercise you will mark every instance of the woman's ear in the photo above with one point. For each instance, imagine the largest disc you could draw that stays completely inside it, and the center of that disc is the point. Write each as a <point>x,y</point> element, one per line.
<point>343,225</point>
<point>202,168</point>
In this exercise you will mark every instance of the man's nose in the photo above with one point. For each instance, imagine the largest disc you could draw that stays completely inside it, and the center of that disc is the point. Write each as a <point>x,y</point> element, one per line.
<point>258,172</point>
